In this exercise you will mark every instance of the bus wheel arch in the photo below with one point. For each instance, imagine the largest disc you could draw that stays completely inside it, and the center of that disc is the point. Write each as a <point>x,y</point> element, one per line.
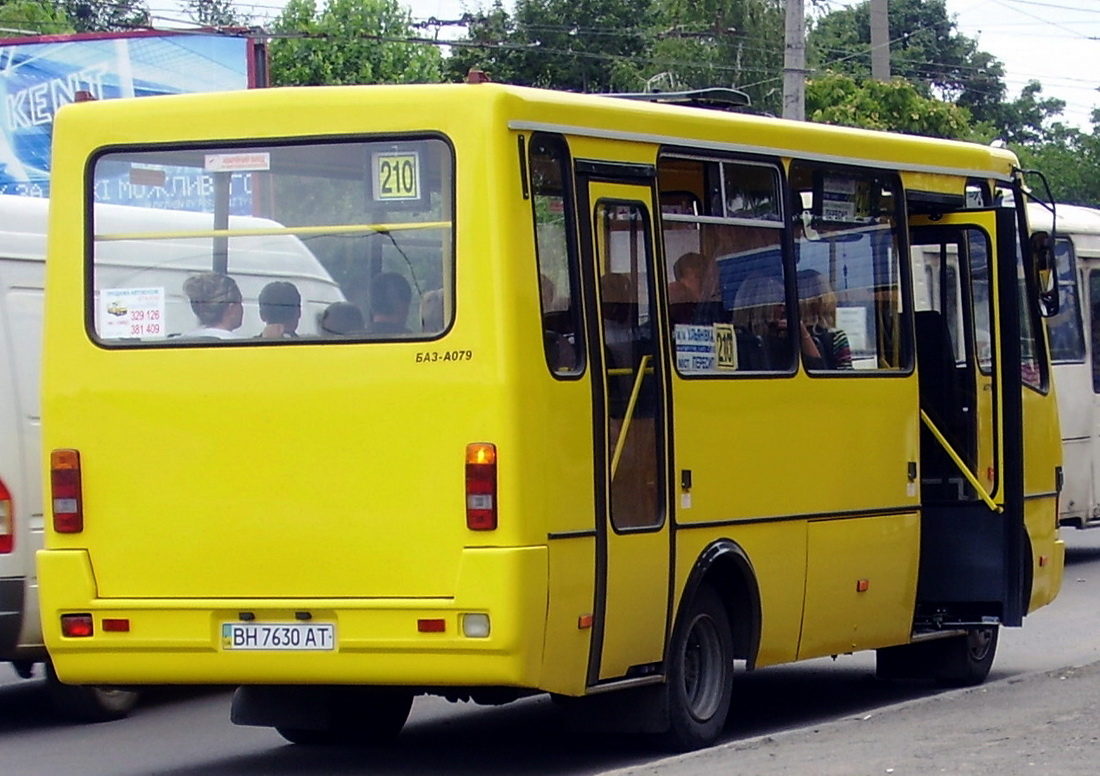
<point>725,567</point>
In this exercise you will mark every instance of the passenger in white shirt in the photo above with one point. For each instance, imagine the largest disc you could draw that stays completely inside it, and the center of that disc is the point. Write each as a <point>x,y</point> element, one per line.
<point>217,303</point>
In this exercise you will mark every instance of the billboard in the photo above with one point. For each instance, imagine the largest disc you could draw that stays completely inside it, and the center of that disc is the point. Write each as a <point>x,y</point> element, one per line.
<point>39,75</point>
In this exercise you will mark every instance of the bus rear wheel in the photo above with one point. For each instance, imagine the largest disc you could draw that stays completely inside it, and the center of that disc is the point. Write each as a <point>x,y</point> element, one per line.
<point>700,674</point>
<point>357,716</point>
<point>967,659</point>
<point>955,661</point>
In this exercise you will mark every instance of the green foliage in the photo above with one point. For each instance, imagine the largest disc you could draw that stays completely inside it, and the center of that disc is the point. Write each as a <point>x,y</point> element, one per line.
<point>349,42</point>
<point>578,45</point>
<point>1028,119</point>
<point>216,13</point>
<point>1070,159</point>
<point>925,49</point>
<point>897,106</point>
<point>106,15</point>
<point>723,43</point>
<point>34,17</point>
<point>617,45</point>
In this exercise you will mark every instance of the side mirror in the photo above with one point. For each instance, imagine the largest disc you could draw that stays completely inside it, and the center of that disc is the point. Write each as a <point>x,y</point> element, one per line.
<point>1042,256</point>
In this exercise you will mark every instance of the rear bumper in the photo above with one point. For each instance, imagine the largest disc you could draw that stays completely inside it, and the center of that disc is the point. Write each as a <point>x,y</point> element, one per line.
<point>378,641</point>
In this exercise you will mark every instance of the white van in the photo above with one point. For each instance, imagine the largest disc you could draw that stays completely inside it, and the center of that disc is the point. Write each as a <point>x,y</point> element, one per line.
<point>22,275</point>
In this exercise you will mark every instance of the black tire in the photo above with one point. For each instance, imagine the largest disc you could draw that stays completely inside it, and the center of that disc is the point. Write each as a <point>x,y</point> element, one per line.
<point>89,703</point>
<point>955,661</point>
<point>358,716</point>
<point>700,673</point>
<point>967,659</point>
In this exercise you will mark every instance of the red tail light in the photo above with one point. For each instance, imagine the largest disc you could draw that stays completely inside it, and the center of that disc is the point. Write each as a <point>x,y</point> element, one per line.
<point>77,626</point>
<point>68,501</point>
<point>7,520</point>
<point>481,486</point>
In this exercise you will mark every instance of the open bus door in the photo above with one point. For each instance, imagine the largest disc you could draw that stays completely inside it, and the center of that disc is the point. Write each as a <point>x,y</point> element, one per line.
<point>977,357</point>
<point>631,623</point>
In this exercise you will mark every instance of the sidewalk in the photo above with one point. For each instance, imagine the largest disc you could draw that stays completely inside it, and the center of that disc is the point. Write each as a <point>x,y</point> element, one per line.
<point>1044,724</point>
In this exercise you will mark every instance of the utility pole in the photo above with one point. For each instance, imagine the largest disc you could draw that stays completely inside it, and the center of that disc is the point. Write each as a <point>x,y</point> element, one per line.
<point>880,41</point>
<point>794,62</point>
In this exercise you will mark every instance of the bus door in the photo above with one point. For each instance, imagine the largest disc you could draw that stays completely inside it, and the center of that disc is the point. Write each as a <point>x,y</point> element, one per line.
<point>630,428</point>
<point>971,469</point>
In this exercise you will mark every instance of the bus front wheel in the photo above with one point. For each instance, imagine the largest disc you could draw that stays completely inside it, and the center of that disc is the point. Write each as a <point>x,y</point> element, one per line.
<point>700,673</point>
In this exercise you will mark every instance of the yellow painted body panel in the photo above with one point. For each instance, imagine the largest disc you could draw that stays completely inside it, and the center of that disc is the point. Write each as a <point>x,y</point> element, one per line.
<point>178,640</point>
<point>1042,453</point>
<point>876,552</point>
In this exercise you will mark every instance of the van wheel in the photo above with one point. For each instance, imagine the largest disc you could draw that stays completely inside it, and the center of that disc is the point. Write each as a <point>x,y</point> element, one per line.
<point>357,716</point>
<point>88,703</point>
<point>700,675</point>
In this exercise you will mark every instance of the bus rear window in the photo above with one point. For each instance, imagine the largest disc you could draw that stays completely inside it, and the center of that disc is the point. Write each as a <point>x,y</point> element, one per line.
<point>337,241</point>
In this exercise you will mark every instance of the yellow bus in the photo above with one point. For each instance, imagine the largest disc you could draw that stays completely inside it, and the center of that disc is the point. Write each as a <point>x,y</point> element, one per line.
<point>614,397</point>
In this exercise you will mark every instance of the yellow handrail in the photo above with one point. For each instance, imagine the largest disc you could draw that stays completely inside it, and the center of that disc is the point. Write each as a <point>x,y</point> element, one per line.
<point>273,230</point>
<point>629,414</point>
<point>960,463</point>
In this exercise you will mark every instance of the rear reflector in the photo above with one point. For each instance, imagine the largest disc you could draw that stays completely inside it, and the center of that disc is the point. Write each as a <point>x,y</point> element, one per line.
<point>481,486</point>
<point>431,626</point>
<point>7,520</point>
<point>65,490</point>
<point>116,625</point>
<point>77,625</point>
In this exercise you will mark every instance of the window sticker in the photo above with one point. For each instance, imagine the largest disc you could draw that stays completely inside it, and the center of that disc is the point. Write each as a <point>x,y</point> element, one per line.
<point>131,313</point>
<point>696,349</point>
<point>396,175</point>
<point>238,162</point>
<point>853,321</point>
<point>838,197</point>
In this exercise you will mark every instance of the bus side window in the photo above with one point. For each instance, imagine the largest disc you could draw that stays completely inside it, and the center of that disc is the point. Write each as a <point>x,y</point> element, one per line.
<point>559,286</point>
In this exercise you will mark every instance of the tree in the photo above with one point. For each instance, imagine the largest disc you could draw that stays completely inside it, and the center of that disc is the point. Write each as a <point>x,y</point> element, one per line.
<point>1070,160</point>
<point>33,17</point>
<point>579,45</point>
<point>615,46</point>
<point>1029,119</point>
<point>114,16</point>
<point>926,49</point>
<point>216,13</point>
<point>735,43</point>
<point>896,106</point>
<point>349,42</point>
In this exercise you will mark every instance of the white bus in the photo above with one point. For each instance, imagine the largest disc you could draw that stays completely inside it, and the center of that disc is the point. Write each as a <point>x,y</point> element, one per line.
<point>1075,352</point>
<point>22,276</point>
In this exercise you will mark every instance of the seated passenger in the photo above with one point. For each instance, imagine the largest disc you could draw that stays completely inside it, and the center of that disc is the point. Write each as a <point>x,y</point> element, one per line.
<point>817,308</point>
<point>217,303</point>
<point>280,309</point>
<point>390,297</point>
<point>692,296</point>
<point>340,319</point>
<point>760,321</point>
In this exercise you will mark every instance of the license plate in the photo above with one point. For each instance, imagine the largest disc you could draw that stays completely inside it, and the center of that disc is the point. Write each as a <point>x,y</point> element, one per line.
<point>276,636</point>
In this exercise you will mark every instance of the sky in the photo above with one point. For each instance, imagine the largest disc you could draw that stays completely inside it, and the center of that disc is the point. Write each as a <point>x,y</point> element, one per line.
<point>1056,42</point>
